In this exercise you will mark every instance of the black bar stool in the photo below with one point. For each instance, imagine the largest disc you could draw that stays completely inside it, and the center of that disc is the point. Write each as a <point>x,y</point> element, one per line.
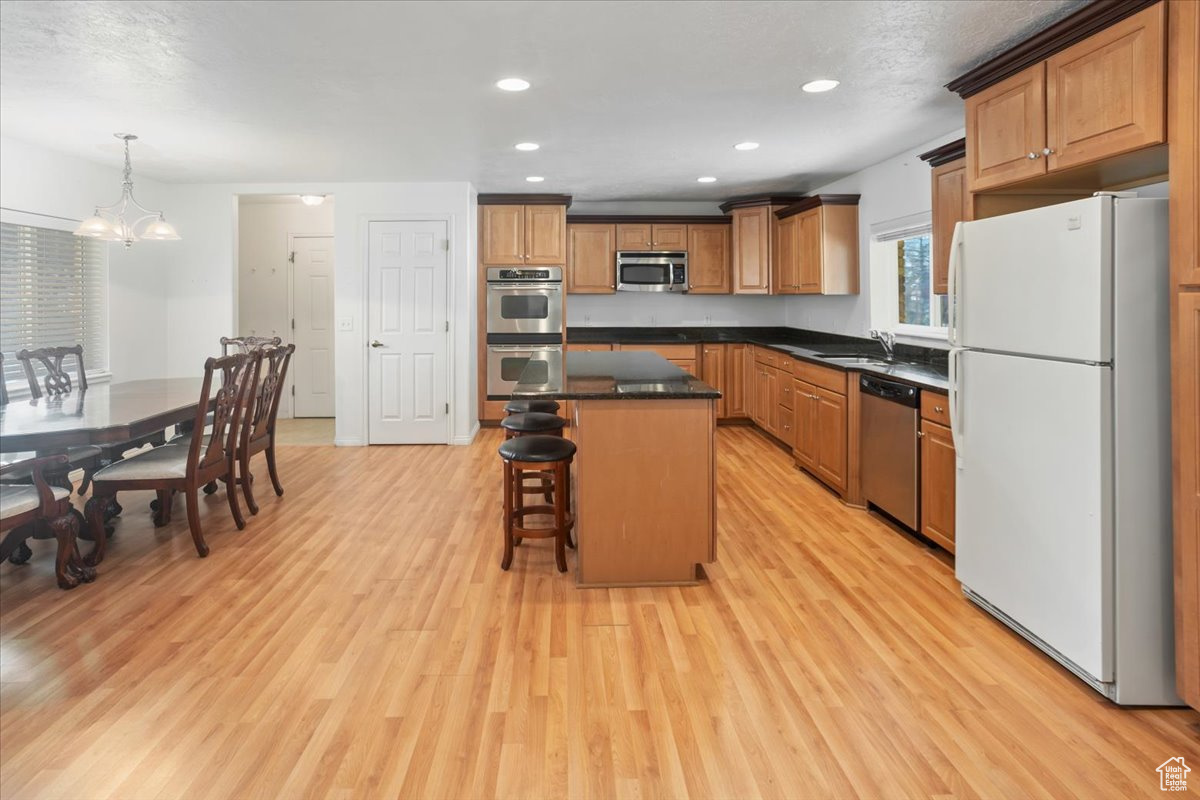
<point>534,423</point>
<point>525,406</point>
<point>551,455</point>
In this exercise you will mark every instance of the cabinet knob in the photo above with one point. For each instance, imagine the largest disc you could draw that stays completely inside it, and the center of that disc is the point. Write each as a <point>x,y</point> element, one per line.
<point>920,434</point>
<point>1047,151</point>
<point>1032,156</point>
<point>939,409</point>
<point>648,244</point>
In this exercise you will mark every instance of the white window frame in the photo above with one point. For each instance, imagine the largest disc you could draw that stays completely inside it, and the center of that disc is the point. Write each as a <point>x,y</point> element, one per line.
<point>884,313</point>
<point>20,390</point>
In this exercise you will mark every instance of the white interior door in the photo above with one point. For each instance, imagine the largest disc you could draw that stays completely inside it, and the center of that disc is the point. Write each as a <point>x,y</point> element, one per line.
<point>312,317</point>
<point>407,324</point>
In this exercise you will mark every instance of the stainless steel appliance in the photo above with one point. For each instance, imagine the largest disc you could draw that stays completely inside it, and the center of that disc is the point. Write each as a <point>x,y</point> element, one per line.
<point>507,362</point>
<point>642,271</point>
<point>890,478</point>
<point>525,300</point>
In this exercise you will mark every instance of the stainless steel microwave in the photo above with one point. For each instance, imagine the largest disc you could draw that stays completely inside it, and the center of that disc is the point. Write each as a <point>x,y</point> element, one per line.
<point>650,271</point>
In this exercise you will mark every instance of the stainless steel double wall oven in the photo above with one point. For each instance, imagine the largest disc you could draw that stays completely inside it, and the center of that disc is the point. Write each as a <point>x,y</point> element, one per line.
<point>524,327</point>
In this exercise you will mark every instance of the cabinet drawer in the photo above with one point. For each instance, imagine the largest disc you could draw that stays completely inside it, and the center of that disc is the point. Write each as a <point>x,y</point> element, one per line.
<point>588,348</point>
<point>688,365</point>
<point>785,364</point>
<point>826,377</point>
<point>935,407</point>
<point>786,428</point>
<point>667,351</point>
<point>764,356</point>
<point>786,392</point>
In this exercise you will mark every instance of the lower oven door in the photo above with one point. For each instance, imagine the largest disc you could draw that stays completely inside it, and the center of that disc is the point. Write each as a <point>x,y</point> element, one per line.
<point>508,362</point>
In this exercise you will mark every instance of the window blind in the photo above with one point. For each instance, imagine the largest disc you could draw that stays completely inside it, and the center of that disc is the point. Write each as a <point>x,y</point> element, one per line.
<point>53,293</point>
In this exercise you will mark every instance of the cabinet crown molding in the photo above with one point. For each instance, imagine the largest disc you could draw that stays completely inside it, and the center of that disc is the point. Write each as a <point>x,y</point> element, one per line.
<point>1092,18</point>
<point>816,201</point>
<point>524,200</point>
<point>754,201</point>
<point>644,219</point>
<point>951,151</point>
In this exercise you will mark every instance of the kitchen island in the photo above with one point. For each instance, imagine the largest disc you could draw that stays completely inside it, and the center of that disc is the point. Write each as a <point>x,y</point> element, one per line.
<point>645,471</point>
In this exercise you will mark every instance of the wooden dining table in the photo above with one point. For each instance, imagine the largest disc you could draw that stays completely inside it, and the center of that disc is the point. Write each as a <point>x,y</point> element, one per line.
<point>102,414</point>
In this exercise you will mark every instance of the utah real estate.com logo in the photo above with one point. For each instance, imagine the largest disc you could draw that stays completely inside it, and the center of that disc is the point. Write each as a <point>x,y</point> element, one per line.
<point>1172,775</point>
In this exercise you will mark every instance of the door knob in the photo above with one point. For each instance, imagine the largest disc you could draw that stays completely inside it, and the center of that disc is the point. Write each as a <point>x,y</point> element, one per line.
<point>376,343</point>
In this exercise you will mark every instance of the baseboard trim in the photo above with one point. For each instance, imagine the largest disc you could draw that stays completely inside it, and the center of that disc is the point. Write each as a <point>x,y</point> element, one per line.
<point>464,440</point>
<point>348,441</point>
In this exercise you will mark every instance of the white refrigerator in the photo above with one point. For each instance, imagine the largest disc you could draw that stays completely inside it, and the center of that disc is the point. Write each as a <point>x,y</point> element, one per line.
<point>1060,410</point>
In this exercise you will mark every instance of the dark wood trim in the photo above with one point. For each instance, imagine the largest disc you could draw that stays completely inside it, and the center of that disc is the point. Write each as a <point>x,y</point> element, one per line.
<point>754,201</point>
<point>669,219</point>
<point>1091,19</point>
<point>951,151</point>
<point>818,200</point>
<point>525,200</point>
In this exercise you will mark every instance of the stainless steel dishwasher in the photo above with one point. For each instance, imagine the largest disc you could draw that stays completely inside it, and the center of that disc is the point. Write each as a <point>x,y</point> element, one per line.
<point>890,473</point>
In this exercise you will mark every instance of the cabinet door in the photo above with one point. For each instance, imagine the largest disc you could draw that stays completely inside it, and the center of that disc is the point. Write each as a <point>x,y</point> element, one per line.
<point>831,437</point>
<point>669,237</point>
<point>950,198</point>
<point>762,397</point>
<point>783,256</point>
<point>1107,94</point>
<point>735,380</point>
<point>708,259</point>
<point>503,235</point>
<point>751,250</point>
<point>591,259</point>
<point>804,446</point>
<point>546,235</point>
<point>937,483</point>
<point>749,381</point>
<point>772,389</point>
<point>634,236</point>
<point>712,372</point>
<point>808,252</point>
<point>1006,130</point>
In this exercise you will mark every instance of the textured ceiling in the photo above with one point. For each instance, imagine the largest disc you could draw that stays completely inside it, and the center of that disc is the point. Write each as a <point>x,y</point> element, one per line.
<point>629,99</point>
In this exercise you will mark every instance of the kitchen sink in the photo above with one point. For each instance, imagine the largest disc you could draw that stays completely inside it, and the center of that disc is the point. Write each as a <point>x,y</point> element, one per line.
<point>871,360</point>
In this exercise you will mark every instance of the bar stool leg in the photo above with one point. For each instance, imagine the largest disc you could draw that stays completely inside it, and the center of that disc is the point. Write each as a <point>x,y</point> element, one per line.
<point>566,490</point>
<point>506,561</point>
<point>560,517</point>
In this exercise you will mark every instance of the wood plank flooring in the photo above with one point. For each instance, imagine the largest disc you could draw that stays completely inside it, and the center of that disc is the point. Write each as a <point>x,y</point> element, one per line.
<point>358,639</point>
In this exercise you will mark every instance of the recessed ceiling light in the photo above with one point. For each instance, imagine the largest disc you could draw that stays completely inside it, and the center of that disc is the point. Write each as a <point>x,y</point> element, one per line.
<point>512,84</point>
<point>528,146</point>
<point>706,179</point>
<point>821,85</point>
<point>746,146</point>
<point>312,199</point>
<point>535,179</point>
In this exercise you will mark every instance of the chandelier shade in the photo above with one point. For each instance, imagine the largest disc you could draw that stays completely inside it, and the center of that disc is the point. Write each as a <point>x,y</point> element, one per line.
<point>127,220</point>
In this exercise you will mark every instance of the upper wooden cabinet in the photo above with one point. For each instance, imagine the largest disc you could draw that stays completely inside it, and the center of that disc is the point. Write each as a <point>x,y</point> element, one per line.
<point>1101,97</point>
<point>951,204</point>
<point>634,236</point>
<point>751,262</point>
<point>591,259</point>
<point>816,247</point>
<point>652,236</point>
<point>523,234</point>
<point>1106,95</point>
<point>669,236</point>
<point>708,259</point>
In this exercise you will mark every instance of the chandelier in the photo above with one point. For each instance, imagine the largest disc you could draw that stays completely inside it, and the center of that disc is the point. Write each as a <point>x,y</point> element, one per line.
<point>126,220</point>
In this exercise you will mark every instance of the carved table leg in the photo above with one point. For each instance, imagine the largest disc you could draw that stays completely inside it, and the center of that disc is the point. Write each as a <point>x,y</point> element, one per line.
<point>65,529</point>
<point>94,512</point>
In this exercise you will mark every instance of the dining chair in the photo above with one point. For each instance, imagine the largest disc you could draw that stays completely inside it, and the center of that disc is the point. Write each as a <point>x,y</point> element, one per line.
<point>245,344</point>
<point>41,510</point>
<point>185,466</point>
<point>258,431</point>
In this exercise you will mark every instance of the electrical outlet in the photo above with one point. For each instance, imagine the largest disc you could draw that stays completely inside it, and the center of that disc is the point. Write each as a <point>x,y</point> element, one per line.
<point>708,319</point>
<point>587,320</point>
<point>345,323</point>
<point>652,321</point>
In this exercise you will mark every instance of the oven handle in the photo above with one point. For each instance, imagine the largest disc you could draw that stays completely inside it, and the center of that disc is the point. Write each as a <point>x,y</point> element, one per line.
<point>516,348</point>
<point>496,287</point>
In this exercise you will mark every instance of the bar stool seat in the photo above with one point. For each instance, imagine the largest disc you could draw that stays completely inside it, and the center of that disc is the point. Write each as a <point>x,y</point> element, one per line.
<point>525,406</point>
<point>536,453</point>
<point>532,422</point>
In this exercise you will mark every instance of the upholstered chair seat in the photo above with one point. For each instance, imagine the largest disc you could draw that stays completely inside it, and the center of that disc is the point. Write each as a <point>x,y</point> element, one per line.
<point>17,499</point>
<point>167,461</point>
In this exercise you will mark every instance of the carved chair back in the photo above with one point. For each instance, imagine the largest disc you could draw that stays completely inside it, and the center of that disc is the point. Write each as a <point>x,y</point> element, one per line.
<point>245,344</point>
<point>264,405</point>
<point>238,373</point>
<point>57,379</point>
<point>3,383</point>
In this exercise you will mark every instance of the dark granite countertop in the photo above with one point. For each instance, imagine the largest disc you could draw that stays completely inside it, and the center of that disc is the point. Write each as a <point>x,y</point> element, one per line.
<point>618,376</point>
<point>922,367</point>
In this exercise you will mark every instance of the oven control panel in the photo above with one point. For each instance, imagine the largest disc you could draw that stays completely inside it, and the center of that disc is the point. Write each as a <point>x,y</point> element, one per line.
<point>525,274</point>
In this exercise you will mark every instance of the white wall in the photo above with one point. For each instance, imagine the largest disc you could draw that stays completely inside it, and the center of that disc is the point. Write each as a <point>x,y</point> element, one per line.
<point>897,187</point>
<point>38,181</point>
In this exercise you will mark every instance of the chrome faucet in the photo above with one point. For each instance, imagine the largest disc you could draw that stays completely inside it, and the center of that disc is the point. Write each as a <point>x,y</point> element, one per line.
<point>888,340</point>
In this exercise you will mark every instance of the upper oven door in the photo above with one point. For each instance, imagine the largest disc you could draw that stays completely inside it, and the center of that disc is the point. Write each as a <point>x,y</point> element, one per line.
<point>651,272</point>
<point>524,308</point>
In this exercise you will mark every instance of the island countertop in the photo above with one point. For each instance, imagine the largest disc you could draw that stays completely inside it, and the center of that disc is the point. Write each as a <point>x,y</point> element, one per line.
<point>620,375</point>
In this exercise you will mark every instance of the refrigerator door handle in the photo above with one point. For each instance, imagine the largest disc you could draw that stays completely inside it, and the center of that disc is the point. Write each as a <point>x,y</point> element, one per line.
<point>955,406</point>
<point>953,283</point>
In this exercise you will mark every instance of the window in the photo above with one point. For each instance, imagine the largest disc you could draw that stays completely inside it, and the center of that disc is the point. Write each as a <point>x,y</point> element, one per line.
<point>902,298</point>
<point>53,293</point>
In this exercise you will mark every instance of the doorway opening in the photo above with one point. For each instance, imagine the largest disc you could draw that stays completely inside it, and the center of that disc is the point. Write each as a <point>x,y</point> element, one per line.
<point>285,289</point>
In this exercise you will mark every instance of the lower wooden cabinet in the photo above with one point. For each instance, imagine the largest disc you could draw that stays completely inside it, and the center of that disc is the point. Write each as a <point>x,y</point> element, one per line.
<point>820,445</point>
<point>764,379</point>
<point>683,356</point>
<point>735,381</point>
<point>712,372</point>
<point>937,483</point>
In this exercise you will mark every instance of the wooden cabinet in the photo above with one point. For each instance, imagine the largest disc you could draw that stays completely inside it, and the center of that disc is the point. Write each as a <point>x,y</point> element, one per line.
<point>634,236</point>
<point>764,393</point>
<point>683,356</point>
<point>830,426</point>
<point>666,236</point>
<point>1106,94</point>
<point>712,372</point>
<point>708,259</point>
<point>804,445</point>
<point>752,233</point>
<point>816,247</point>
<point>822,423</point>
<point>523,234</point>
<point>591,259</point>
<point>937,483</point>
<point>1099,98</point>
<point>735,381</point>
<point>652,236</point>
<point>950,206</point>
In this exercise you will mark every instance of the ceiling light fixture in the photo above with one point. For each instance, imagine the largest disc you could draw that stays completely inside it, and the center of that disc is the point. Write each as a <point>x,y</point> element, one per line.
<point>528,147</point>
<point>535,179</point>
<point>820,85</point>
<point>706,179</point>
<point>108,223</point>
<point>746,146</point>
<point>312,199</point>
<point>512,84</point>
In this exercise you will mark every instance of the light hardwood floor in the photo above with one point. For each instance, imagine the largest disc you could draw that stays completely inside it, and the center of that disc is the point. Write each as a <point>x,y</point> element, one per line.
<point>358,639</point>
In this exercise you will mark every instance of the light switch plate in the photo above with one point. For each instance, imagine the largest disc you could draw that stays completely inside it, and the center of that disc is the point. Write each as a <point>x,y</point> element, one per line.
<point>345,323</point>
